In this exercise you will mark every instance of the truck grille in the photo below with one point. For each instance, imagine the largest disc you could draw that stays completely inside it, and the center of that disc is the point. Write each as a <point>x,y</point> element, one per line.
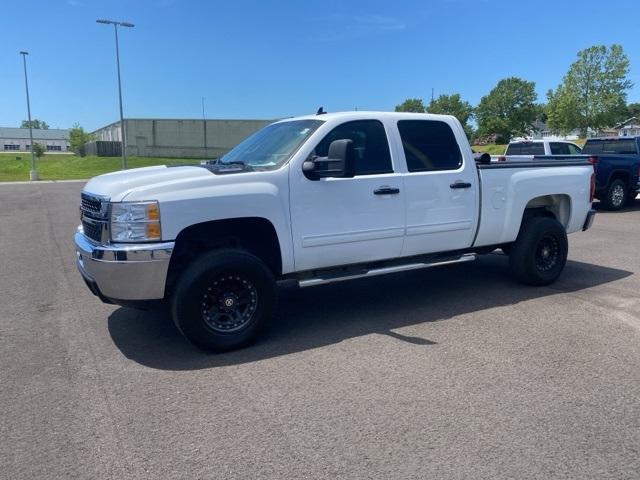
<point>91,205</point>
<point>94,216</point>
<point>93,229</point>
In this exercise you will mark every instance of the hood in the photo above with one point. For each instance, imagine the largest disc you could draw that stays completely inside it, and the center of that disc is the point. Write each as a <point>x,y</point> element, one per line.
<point>118,185</point>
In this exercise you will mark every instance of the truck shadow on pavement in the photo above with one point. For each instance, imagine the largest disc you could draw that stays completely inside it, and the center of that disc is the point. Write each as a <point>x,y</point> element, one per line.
<point>325,315</point>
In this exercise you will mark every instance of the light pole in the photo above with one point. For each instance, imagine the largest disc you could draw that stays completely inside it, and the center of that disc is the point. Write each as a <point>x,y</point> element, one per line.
<point>123,135</point>
<point>33,174</point>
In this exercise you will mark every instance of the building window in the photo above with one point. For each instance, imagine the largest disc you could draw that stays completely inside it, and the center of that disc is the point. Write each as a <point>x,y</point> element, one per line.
<point>26,147</point>
<point>54,148</point>
<point>11,147</point>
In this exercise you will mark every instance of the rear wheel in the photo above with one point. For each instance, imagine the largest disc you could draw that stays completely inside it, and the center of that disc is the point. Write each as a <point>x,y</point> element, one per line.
<point>616,195</point>
<point>223,300</point>
<point>539,254</point>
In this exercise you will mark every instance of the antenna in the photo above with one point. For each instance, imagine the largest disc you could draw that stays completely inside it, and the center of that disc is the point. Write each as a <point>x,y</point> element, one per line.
<point>320,111</point>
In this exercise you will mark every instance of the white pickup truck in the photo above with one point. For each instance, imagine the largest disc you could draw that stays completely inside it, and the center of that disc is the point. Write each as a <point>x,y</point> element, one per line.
<point>523,150</point>
<point>318,199</point>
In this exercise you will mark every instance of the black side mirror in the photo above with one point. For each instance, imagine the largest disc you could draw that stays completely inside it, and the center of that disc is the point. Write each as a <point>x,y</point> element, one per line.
<point>340,162</point>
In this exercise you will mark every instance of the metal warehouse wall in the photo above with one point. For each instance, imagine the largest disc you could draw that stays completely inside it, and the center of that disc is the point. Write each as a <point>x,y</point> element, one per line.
<point>181,138</point>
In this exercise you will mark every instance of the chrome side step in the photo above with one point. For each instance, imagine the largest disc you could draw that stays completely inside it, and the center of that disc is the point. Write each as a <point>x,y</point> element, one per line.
<point>312,282</point>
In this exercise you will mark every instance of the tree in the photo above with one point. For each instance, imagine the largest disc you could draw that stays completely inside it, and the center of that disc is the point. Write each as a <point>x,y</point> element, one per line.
<point>414,105</point>
<point>593,92</point>
<point>38,150</point>
<point>453,105</point>
<point>633,110</point>
<point>77,138</point>
<point>508,110</point>
<point>35,123</point>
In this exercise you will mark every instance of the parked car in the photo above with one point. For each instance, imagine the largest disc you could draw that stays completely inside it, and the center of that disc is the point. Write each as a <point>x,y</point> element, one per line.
<point>314,200</point>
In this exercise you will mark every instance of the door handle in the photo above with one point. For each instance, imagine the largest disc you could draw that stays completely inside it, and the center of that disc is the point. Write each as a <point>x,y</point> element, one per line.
<point>460,185</point>
<point>386,191</point>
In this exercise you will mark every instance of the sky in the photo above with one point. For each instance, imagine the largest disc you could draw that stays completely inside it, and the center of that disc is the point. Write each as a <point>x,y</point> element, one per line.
<point>275,59</point>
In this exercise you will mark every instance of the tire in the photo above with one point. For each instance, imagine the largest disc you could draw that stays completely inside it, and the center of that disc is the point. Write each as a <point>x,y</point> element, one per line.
<point>223,300</point>
<point>616,195</point>
<point>539,254</point>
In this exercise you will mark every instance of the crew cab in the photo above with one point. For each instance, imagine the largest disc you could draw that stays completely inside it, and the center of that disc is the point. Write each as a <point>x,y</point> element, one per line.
<point>528,149</point>
<point>319,199</point>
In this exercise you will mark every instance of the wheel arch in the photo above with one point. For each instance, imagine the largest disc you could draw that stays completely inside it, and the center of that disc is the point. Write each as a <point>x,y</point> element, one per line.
<point>256,235</point>
<point>556,206</point>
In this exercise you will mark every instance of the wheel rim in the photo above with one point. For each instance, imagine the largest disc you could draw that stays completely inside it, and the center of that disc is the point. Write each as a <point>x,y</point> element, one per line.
<point>229,303</point>
<point>547,253</point>
<point>617,195</point>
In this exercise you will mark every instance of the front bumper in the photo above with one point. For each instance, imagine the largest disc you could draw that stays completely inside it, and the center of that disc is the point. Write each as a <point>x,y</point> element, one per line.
<point>589,220</point>
<point>127,272</point>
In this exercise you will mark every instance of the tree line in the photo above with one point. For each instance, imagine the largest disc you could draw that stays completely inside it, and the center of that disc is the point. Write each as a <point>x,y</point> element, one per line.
<point>591,96</point>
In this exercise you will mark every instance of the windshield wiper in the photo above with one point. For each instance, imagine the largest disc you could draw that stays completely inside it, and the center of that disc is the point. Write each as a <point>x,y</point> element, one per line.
<point>233,166</point>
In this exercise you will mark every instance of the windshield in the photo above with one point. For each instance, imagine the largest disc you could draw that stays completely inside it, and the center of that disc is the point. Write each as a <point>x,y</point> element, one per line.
<point>273,145</point>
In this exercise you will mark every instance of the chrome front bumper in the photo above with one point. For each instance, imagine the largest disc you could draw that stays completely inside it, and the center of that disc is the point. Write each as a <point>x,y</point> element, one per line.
<point>123,271</point>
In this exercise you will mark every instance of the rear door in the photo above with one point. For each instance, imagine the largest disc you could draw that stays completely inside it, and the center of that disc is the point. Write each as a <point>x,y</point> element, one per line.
<point>441,190</point>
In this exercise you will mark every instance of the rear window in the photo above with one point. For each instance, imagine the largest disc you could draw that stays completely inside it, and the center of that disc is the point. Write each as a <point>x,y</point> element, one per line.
<point>525,148</point>
<point>429,145</point>
<point>593,147</point>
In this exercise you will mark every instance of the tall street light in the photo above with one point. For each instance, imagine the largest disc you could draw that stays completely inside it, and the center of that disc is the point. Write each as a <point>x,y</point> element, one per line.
<point>123,135</point>
<point>33,174</point>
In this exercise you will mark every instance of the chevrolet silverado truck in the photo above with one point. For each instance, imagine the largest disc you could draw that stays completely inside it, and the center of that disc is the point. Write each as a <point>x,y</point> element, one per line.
<point>319,199</point>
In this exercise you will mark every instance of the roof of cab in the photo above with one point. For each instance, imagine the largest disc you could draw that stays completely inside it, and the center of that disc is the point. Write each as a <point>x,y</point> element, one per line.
<point>361,114</point>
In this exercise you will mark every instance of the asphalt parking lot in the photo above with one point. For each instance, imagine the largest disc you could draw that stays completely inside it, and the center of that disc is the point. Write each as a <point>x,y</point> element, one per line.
<point>454,372</point>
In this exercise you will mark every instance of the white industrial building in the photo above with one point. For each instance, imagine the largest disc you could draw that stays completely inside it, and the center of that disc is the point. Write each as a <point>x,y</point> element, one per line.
<point>180,138</point>
<point>17,139</point>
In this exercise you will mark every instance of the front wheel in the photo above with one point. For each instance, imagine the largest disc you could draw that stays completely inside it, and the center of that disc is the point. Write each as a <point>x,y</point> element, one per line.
<point>223,300</point>
<point>539,254</point>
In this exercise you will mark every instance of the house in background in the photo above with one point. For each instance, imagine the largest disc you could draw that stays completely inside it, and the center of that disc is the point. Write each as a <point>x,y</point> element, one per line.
<point>629,128</point>
<point>17,139</point>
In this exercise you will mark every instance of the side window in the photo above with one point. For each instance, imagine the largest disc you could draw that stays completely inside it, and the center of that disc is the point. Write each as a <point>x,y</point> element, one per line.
<point>573,149</point>
<point>559,148</point>
<point>429,145</point>
<point>370,144</point>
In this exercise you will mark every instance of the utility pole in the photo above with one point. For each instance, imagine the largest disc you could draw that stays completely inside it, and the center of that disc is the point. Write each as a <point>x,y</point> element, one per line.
<point>33,174</point>
<point>123,134</point>
<point>204,128</point>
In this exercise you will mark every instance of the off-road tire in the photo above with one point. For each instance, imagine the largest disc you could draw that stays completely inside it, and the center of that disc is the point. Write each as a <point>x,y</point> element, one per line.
<point>223,300</point>
<point>539,254</point>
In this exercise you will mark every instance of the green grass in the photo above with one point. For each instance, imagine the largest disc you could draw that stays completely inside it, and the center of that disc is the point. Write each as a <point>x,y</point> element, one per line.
<point>69,167</point>
<point>491,149</point>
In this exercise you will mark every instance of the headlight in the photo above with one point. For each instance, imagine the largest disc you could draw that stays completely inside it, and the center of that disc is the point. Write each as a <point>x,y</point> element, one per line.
<point>135,222</point>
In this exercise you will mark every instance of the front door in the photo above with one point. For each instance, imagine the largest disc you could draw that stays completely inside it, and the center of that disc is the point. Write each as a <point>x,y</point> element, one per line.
<point>338,221</point>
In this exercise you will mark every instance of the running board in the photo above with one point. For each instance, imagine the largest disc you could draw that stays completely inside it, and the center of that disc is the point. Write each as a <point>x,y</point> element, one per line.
<point>312,282</point>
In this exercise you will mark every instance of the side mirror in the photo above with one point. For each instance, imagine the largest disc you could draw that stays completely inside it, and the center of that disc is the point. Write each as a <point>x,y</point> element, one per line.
<point>339,163</point>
